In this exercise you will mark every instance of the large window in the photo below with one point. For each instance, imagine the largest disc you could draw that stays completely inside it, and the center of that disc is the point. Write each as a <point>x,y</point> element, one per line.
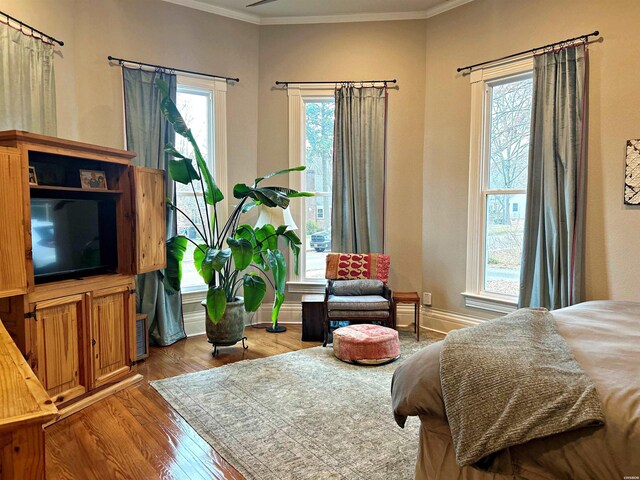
<point>501,127</point>
<point>197,100</point>
<point>311,119</point>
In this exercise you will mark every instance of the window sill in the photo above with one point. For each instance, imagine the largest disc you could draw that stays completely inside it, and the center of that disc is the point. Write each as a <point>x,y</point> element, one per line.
<point>306,287</point>
<point>490,303</point>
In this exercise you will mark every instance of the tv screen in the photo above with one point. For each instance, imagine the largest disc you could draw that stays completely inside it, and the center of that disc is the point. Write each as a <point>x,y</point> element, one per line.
<point>72,238</point>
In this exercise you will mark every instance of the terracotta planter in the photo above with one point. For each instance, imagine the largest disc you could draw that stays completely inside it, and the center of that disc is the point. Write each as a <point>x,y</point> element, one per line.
<point>230,329</point>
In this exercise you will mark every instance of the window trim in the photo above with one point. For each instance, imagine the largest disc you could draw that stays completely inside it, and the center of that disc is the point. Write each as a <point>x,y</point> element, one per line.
<point>474,294</point>
<point>297,95</point>
<point>218,87</point>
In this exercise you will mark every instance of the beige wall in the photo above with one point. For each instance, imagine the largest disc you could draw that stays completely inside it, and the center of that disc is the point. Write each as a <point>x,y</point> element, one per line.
<point>89,91</point>
<point>486,29</point>
<point>428,151</point>
<point>357,51</point>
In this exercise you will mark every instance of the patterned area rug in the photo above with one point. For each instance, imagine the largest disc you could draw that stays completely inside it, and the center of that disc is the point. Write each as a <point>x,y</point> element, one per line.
<point>300,415</point>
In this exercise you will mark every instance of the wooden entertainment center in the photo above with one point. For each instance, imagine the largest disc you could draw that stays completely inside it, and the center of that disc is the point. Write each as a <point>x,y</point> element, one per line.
<point>77,334</point>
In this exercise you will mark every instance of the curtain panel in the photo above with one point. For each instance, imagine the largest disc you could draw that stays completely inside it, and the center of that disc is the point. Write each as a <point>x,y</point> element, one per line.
<point>27,83</point>
<point>359,156</point>
<point>147,134</point>
<point>552,274</point>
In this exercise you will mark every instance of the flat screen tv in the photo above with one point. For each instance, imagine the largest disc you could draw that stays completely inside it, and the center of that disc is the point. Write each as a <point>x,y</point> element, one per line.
<point>73,238</point>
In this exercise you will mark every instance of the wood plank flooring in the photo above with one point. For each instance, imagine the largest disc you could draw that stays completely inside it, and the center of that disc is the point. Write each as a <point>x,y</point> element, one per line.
<point>135,434</point>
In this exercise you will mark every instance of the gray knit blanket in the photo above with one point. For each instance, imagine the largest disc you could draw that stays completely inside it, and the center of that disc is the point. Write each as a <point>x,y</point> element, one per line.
<point>508,381</point>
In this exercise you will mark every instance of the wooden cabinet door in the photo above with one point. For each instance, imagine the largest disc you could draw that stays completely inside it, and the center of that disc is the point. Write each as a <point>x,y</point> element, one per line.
<point>149,218</point>
<point>13,275</point>
<point>58,361</point>
<point>110,322</point>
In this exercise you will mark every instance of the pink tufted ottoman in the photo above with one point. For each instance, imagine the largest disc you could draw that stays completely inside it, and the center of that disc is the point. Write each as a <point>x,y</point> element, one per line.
<point>366,344</point>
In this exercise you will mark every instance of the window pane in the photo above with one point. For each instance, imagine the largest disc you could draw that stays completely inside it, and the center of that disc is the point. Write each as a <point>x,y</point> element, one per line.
<point>319,117</point>
<point>318,234</point>
<point>509,134</point>
<point>319,145</point>
<point>503,243</point>
<point>196,107</point>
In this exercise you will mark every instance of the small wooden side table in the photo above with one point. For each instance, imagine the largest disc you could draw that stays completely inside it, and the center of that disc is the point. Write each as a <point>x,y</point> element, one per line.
<point>409,297</point>
<point>312,318</point>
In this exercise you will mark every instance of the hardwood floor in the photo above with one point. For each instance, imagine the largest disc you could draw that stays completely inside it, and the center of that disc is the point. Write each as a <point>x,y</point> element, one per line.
<point>135,434</point>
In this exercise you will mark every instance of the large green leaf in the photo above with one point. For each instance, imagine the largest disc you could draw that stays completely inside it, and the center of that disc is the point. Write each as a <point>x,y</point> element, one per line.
<point>198,256</point>
<point>266,237</point>
<point>170,111</point>
<point>294,244</point>
<point>290,193</point>
<point>176,248</point>
<point>254,291</point>
<point>277,303</point>
<point>216,304</point>
<point>214,260</point>
<point>171,150</point>
<point>182,171</point>
<point>268,196</point>
<point>278,269</point>
<point>279,172</point>
<point>247,232</point>
<point>242,251</point>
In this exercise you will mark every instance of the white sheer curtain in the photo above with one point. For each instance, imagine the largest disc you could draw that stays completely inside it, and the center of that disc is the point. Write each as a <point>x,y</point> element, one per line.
<point>27,84</point>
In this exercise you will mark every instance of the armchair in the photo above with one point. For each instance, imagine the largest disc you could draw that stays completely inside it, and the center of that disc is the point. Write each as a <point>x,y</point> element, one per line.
<point>357,290</point>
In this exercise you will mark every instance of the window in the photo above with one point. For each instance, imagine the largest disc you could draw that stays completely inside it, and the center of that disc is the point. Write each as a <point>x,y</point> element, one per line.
<point>311,118</point>
<point>202,105</point>
<point>501,124</point>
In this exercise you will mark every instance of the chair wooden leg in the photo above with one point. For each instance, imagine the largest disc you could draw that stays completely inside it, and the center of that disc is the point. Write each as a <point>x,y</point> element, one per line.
<point>326,330</point>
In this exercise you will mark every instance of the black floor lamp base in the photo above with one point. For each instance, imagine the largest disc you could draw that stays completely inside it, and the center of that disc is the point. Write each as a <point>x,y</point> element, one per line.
<point>277,329</point>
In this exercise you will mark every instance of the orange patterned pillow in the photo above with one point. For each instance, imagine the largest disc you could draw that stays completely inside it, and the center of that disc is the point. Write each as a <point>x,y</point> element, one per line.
<point>352,266</point>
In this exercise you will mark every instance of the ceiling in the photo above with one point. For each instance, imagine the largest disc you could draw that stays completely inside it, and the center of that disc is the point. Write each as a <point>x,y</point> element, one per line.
<point>323,11</point>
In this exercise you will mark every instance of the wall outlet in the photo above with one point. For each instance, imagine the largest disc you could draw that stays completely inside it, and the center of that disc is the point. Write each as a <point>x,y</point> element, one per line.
<point>426,299</point>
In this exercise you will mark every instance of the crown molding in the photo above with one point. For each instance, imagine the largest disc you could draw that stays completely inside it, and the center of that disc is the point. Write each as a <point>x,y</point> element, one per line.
<point>354,17</point>
<point>224,12</point>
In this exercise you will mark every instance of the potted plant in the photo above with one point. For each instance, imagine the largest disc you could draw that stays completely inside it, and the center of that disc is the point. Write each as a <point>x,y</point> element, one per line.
<point>228,255</point>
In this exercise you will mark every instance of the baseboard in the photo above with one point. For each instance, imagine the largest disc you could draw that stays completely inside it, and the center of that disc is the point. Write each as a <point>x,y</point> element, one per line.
<point>443,321</point>
<point>440,321</point>
<point>194,323</point>
<point>290,313</point>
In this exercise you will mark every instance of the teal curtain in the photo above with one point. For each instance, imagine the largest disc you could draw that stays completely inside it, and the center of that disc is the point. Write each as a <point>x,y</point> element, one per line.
<point>147,134</point>
<point>359,154</point>
<point>552,273</point>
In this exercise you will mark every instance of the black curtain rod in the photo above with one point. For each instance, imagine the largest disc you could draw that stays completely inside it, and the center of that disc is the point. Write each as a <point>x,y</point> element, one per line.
<point>337,81</point>
<point>569,40</point>
<point>122,61</point>
<point>43,36</point>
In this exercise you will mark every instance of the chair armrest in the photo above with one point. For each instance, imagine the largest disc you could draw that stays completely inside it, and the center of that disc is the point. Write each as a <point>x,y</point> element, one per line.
<point>387,293</point>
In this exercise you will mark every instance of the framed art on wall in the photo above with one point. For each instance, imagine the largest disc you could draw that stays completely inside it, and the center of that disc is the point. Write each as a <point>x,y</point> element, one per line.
<point>632,173</point>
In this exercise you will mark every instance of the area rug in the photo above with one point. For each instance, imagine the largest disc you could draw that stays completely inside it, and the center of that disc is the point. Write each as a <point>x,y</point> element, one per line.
<point>300,415</point>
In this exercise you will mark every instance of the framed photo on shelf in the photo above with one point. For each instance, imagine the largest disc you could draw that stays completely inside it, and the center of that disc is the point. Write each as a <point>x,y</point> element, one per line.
<point>93,180</point>
<point>33,178</point>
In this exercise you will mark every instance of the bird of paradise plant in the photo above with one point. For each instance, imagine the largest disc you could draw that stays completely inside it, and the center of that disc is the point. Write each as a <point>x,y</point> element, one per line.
<point>228,255</point>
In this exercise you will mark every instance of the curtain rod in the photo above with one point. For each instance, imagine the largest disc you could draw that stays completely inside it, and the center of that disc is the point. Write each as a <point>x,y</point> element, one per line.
<point>555,44</point>
<point>43,35</point>
<point>337,81</point>
<point>122,61</point>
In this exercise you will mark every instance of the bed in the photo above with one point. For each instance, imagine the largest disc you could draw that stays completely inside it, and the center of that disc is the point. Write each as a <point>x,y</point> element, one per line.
<point>604,338</point>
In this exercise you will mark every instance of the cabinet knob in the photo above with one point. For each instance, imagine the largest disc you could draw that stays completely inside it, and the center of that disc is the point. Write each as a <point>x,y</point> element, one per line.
<point>93,342</point>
